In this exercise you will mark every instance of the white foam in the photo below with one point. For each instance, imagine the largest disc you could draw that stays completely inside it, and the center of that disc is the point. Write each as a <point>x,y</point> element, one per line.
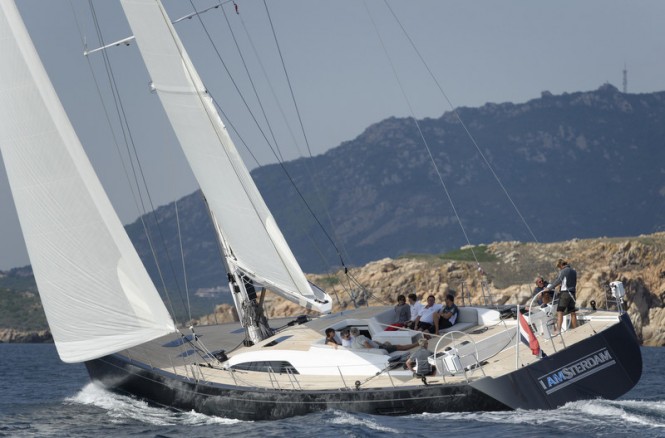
<point>193,418</point>
<point>656,407</point>
<point>620,414</point>
<point>502,417</point>
<point>120,408</point>
<point>352,420</point>
<point>606,410</point>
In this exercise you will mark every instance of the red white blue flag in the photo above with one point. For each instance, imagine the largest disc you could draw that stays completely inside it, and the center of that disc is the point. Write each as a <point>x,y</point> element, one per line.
<point>527,336</point>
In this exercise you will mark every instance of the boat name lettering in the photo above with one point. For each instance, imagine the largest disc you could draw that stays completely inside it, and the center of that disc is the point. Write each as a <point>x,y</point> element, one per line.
<point>575,371</point>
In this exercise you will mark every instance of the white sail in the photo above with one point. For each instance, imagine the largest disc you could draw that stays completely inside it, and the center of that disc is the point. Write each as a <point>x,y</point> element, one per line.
<point>97,296</point>
<point>257,246</point>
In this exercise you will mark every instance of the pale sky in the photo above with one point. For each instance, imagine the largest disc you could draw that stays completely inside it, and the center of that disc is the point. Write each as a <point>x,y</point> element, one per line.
<point>480,51</point>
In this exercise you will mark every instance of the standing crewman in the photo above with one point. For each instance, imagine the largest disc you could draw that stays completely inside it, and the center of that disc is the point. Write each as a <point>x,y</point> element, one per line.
<point>567,279</point>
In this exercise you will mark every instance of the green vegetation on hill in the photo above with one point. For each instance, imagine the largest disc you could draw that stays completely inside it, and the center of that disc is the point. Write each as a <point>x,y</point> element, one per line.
<point>21,310</point>
<point>465,254</point>
<point>18,279</point>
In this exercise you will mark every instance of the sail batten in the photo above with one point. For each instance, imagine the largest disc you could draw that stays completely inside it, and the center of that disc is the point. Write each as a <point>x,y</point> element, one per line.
<point>97,296</point>
<point>249,228</point>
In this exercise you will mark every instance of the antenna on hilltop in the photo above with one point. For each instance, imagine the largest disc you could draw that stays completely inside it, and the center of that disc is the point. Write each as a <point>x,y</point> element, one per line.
<point>625,78</point>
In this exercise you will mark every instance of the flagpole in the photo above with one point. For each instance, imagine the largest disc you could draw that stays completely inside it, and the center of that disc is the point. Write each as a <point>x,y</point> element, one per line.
<point>517,340</point>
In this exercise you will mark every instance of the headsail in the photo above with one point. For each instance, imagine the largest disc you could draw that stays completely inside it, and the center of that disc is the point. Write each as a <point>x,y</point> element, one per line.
<point>97,295</point>
<point>254,243</point>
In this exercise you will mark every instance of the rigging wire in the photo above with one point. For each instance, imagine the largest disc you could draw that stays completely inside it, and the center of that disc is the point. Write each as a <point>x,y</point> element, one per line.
<point>269,82</point>
<point>304,134</point>
<point>118,150</point>
<point>280,158</point>
<point>265,137</point>
<point>213,116</point>
<point>286,172</point>
<point>136,170</point>
<point>277,101</point>
<point>420,132</point>
<point>468,133</point>
<point>182,258</point>
<point>251,81</point>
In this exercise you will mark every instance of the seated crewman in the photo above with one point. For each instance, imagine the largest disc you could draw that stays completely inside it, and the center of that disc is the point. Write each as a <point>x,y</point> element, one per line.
<point>331,338</point>
<point>362,341</point>
<point>417,361</point>
<point>448,314</point>
<point>347,340</point>
<point>428,318</point>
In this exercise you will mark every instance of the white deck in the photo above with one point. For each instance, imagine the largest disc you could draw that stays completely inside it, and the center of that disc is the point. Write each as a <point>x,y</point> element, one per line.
<point>321,367</point>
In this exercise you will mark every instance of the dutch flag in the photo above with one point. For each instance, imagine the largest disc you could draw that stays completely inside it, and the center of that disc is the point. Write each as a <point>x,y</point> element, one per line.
<point>527,336</point>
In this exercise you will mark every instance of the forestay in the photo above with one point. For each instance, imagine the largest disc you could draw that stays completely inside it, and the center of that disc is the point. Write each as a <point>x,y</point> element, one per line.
<point>253,242</point>
<point>97,296</point>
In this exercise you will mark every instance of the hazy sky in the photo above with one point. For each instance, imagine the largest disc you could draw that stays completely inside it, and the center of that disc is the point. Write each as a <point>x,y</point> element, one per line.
<point>480,51</point>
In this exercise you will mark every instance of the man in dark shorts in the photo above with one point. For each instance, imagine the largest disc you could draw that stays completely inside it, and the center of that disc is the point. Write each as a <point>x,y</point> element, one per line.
<point>428,315</point>
<point>567,279</point>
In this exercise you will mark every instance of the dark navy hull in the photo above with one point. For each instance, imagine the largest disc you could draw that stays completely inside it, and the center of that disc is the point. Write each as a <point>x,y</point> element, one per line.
<point>605,365</point>
<point>119,375</point>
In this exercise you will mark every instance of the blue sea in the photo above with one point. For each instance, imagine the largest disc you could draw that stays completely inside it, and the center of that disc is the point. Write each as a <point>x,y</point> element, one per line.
<point>42,397</point>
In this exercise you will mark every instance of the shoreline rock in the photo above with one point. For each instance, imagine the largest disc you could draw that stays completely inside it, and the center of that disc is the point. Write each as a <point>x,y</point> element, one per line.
<point>13,336</point>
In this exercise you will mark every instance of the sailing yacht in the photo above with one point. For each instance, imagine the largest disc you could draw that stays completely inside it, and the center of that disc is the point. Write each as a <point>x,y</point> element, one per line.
<point>104,310</point>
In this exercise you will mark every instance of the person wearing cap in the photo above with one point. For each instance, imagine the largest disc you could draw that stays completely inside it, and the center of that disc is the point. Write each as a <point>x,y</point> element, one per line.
<point>567,280</point>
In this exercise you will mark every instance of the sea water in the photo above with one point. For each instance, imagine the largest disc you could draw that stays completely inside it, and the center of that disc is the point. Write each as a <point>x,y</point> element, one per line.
<point>42,397</point>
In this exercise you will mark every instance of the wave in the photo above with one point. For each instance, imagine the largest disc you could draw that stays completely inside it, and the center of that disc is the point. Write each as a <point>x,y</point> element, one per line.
<point>367,422</point>
<point>620,417</point>
<point>594,417</point>
<point>122,408</point>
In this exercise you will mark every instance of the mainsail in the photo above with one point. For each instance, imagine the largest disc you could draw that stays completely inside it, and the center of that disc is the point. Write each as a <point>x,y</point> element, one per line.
<point>252,240</point>
<point>97,295</point>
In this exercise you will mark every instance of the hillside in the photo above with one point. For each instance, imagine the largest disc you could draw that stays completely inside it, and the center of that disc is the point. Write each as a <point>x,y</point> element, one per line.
<point>577,165</point>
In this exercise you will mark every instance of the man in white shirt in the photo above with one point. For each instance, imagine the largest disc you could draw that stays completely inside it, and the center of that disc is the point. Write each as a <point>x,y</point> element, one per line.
<point>416,306</point>
<point>428,318</point>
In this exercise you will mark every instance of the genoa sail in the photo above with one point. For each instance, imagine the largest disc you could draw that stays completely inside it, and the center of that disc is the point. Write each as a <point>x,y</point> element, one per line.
<point>252,240</point>
<point>97,295</point>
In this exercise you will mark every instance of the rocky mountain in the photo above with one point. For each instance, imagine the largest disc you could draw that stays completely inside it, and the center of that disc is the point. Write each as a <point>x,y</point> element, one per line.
<point>583,164</point>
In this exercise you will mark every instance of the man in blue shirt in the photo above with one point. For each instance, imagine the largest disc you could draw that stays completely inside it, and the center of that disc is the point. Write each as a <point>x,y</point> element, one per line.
<point>449,313</point>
